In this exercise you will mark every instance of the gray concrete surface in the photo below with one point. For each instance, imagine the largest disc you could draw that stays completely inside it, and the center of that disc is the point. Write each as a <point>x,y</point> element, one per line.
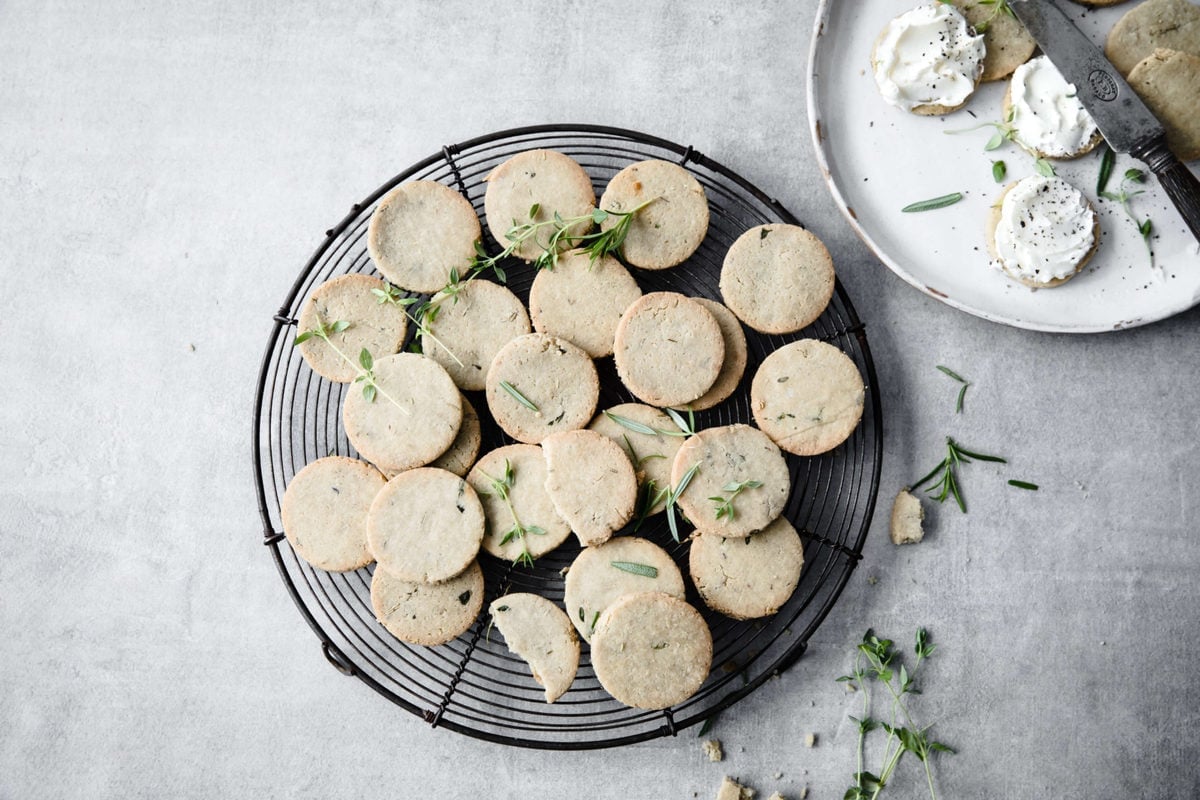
<point>166,168</point>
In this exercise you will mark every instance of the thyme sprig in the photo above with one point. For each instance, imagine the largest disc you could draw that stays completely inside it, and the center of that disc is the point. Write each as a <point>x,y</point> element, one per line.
<point>1005,131</point>
<point>875,661</point>
<point>426,311</point>
<point>1000,7</point>
<point>948,485</point>
<point>501,487</point>
<point>596,244</point>
<point>1124,196</point>
<point>364,367</point>
<point>733,489</point>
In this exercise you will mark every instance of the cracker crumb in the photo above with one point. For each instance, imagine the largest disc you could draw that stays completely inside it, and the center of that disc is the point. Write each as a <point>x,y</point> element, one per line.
<point>872,579</point>
<point>732,790</point>
<point>804,793</point>
<point>776,796</point>
<point>907,515</point>
<point>850,687</point>
<point>810,740</point>
<point>712,749</point>
<point>777,776</point>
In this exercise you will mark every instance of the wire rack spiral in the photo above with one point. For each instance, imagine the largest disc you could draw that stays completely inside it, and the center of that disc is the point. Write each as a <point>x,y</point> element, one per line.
<point>473,685</point>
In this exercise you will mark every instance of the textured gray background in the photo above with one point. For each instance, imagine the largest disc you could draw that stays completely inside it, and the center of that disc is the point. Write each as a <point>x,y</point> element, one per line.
<point>166,168</point>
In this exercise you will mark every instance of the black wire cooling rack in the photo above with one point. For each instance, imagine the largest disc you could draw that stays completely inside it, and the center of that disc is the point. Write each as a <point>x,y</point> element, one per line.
<point>473,685</point>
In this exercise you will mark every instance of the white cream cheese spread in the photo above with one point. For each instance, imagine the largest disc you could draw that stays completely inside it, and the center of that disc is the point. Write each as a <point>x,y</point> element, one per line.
<point>928,57</point>
<point>1047,117</point>
<point>1046,229</point>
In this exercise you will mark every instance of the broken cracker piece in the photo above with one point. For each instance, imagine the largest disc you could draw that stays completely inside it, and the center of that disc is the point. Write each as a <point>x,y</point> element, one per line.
<point>907,515</point>
<point>712,749</point>
<point>810,740</point>
<point>732,790</point>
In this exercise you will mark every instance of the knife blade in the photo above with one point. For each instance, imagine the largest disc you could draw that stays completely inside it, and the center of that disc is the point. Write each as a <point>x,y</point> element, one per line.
<point>1123,119</point>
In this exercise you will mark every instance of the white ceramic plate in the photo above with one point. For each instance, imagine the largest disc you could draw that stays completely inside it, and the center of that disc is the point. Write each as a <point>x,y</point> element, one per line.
<point>878,159</point>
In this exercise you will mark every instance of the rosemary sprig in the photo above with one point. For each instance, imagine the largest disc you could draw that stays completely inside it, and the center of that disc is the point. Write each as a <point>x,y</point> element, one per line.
<point>932,203</point>
<point>516,394</point>
<point>672,498</point>
<point>875,661</point>
<point>1033,487</point>
<point>1107,162</point>
<point>948,485</point>
<point>685,429</point>
<point>364,367</point>
<point>1124,196</point>
<point>644,570</point>
<point>958,406</point>
<point>648,498</point>
<point>733,489</point>
<point>501,487</point>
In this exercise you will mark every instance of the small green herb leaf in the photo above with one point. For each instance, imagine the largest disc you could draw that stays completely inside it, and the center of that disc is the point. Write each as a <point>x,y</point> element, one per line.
<point>1107,161</point>
<point>936,202</point>
<point>1044,167</point>
<point>1023,485</point>
<point>645,570</point>
<point>520,398</point>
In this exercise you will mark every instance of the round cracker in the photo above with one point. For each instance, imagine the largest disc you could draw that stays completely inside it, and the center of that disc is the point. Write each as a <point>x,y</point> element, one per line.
<point>425,525</point>
<point>994,216</point>
<point>668,230</point>
<point>378,328</point>
<point>470,327</point>
<point>546,179</point>
<point>725,456</point>
<point>593,583</point>
<point>324,512</point>
<point>734,363</point>
<point>1015,122</point>
<point>427,613</point>
<point>668,349</point>
<point>414,416</point>
<point>1148,26</point>
<point>808,397</point>
<point>527,494</point>
<point>651,650</point>
<point>419,232</point>
<point>553,375</point>
<point>777,278</point>
<point>582,300</point>
<point>751,577</point>
<point>465,447</point>
<point>1008,45</point>
<point>591,483</point>
<point>1169,82</point>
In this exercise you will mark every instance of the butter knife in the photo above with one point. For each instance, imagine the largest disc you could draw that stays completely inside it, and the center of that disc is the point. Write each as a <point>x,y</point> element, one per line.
<point>1121,116</point>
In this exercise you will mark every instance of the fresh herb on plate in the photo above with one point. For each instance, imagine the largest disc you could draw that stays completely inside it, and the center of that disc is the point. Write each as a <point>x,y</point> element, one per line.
<point>1124,196</point>
<point>1107,162</point>
<point>932,203</point>
<point>999,170</point>
<point>1044,168</point>
<point>876,661</point>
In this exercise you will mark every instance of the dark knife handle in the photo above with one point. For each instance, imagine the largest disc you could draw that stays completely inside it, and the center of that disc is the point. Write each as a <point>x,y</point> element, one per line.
<point>1176,179</point>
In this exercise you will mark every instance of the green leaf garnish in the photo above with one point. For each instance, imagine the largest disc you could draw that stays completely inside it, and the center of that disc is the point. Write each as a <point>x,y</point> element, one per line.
<point>936,202</point>
<point>645,570</point>
<point>520,398</point>
<point>1033,487</point>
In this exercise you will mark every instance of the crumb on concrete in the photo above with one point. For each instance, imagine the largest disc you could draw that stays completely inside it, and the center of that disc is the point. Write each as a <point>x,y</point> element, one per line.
<point>712,749</point>
<point>776,796</point>
<point>872,579</point>
<point>804,793</point>
<point>907,515</point>
<point>810,740</point>
<point>851,687</point>
<point>732,790</point>
<point>777,775</point>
